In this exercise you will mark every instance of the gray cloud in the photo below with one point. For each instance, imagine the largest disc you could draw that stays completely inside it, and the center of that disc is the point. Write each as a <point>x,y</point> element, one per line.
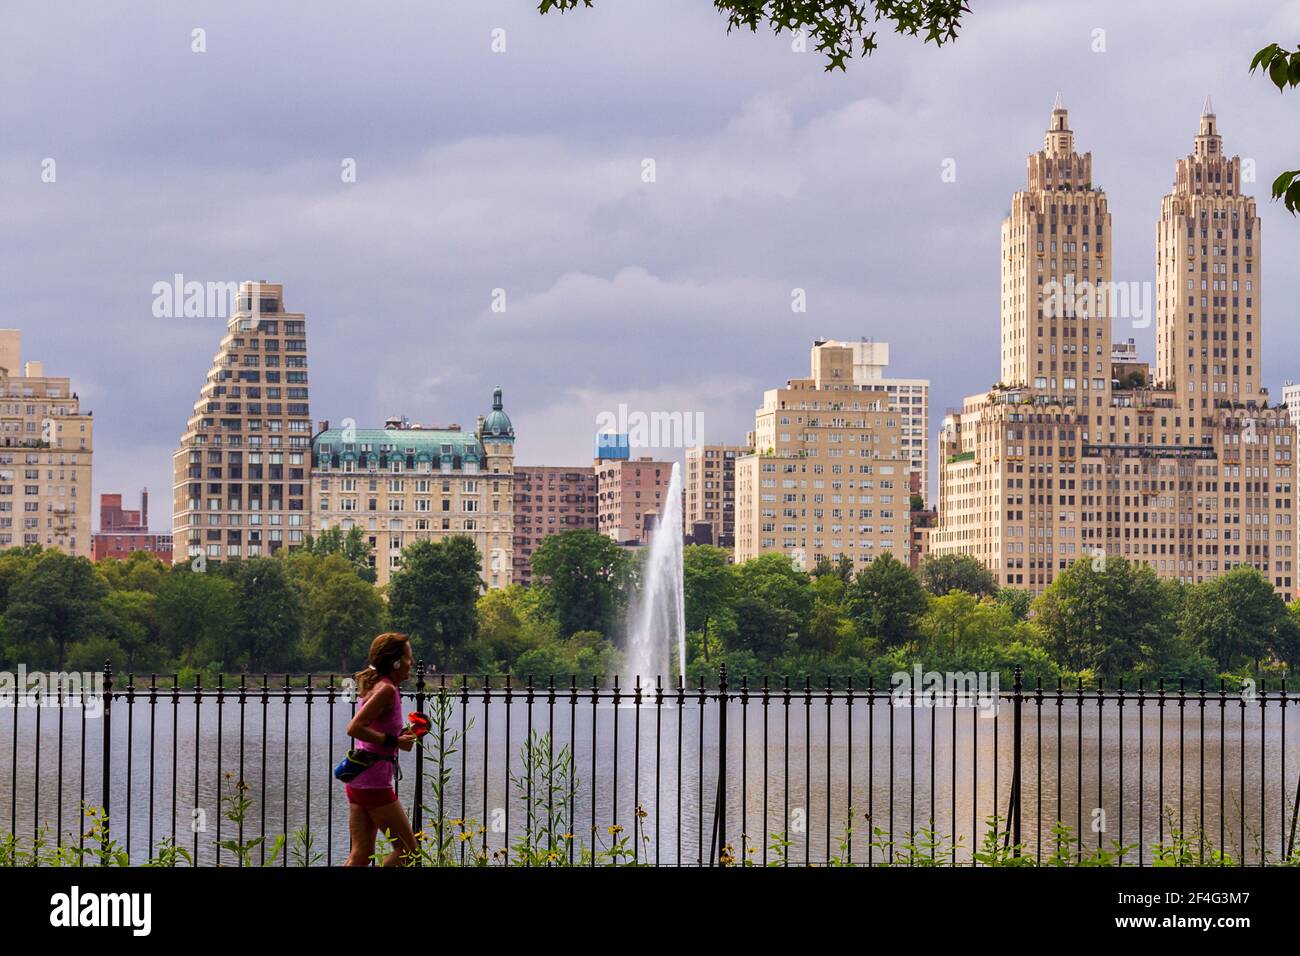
<point>522,171</point>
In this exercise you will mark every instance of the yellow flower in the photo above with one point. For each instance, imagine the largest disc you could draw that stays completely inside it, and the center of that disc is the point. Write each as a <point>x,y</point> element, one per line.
<point>614,830</point>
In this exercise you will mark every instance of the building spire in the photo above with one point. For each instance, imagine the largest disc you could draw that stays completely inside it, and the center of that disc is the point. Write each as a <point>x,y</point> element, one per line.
<point>1059,140</point>
<point>1208,108</point>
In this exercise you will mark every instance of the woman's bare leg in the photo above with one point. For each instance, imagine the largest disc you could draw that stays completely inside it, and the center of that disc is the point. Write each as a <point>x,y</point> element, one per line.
<point>362,829</point>
<point>391,820</point>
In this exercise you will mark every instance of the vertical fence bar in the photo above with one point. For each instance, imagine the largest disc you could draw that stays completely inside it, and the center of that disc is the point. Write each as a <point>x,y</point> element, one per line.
<point>130,751</point>
<point>1119,736</point>
<point>58,777</point>
<point>1017,686</point>
<point>722,764</point>
<point>107,756</point>
<point>1201,783</point>
<point>308,776</point>
<point>464,762</point>
<point>284,785</point>
<point>221,686</point>
<point>153,709</point>
<point>198,736</point>
<point>417,811</point>
<point>1142,833</point>
<point>1101,748</point>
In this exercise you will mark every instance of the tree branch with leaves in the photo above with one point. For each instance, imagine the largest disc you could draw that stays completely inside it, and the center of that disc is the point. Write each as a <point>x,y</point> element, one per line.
<point>1282,67</point>
<point>838,29</point>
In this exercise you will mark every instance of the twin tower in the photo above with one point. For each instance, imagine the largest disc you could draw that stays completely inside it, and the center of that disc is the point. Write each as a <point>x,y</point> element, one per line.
<point>1081,450</point>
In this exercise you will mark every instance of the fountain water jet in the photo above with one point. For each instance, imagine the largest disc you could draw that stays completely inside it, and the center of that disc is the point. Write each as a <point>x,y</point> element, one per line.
<point>658,621</point>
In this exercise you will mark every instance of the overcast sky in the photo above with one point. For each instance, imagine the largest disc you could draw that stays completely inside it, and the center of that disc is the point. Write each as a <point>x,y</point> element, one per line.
<point>523,170</point>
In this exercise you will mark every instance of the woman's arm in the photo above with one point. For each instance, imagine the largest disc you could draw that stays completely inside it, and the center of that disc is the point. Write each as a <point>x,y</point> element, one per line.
<point>380,700</point>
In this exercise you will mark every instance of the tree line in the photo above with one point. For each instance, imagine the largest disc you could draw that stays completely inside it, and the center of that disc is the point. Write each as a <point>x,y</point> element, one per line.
<point>316,609</point>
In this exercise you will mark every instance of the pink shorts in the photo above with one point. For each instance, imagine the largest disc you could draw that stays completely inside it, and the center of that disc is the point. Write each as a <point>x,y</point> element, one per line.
<point>370,798</point>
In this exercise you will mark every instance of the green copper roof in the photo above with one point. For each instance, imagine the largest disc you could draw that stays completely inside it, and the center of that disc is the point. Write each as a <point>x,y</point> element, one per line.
<point>399,441</point>
<point>497,425</point>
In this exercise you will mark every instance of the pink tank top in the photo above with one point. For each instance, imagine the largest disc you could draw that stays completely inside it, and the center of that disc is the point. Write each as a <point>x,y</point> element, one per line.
<point>381,774</point>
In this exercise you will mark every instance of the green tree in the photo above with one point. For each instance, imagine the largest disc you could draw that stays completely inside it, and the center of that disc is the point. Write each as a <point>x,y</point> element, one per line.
<point>1106,616</point>
<point>1019,600</point>
<point>1235,618</point>
<point>762,627</point>
<point>268,614</point>
<point>131,621</point>
<point>841,567</point>
<point>90,654</point>
<point>584,577</point>
<point>353,547</point>
<point>139,571</point>
<point>709,580</point>
<point>828,624</point>
<point>16,564</point>
<point>773,578</point>
<point>342,610</point>
<point>838,29</point>
<point>511,621</point>
<point>433,595</point>
<point>957,572</point>
<point>197,618</point>
<point>55,605</point>
<point>958,623</point>
<point>886,601</point>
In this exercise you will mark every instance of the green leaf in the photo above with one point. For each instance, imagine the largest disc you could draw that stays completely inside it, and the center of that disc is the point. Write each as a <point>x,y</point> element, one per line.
<point>1282,182</point>
<point>1264,57</point>
<point>1277,72</point>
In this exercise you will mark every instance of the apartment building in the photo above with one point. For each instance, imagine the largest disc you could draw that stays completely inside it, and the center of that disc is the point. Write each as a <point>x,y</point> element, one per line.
<point>240,473</point>
<point>408,482</point>
<point>829,472</point>
<point>1188,470</point>
<point>550,499</point>
<point>627,489</point>
<point>711,491</point>
<point>46,451</point>
<point>909,397</point>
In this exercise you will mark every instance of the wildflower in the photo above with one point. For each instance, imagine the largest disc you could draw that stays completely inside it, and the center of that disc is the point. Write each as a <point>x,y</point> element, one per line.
<point>614,830</point>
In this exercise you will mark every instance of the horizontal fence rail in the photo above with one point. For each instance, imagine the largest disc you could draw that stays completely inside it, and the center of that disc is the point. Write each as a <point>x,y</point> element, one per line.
<point>770,772</point>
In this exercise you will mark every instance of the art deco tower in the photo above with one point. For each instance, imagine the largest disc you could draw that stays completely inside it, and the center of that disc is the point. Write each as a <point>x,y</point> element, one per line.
<point>1081,453</point>
<point>1208,280</point>
<point>1056,334</point>
<point>240,474</point>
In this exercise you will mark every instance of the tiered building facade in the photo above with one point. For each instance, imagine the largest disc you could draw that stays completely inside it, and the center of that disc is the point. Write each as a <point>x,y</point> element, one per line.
<point>240,474</point>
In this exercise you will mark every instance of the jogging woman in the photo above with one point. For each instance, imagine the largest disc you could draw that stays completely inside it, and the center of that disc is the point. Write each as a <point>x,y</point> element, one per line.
<point>377,727</point>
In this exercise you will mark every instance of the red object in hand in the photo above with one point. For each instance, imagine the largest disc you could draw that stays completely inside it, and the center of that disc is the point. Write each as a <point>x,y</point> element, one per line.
<point>418,723</point>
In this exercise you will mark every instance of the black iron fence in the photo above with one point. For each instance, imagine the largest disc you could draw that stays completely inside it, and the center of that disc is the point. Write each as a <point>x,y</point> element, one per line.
<point>769,772</point>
